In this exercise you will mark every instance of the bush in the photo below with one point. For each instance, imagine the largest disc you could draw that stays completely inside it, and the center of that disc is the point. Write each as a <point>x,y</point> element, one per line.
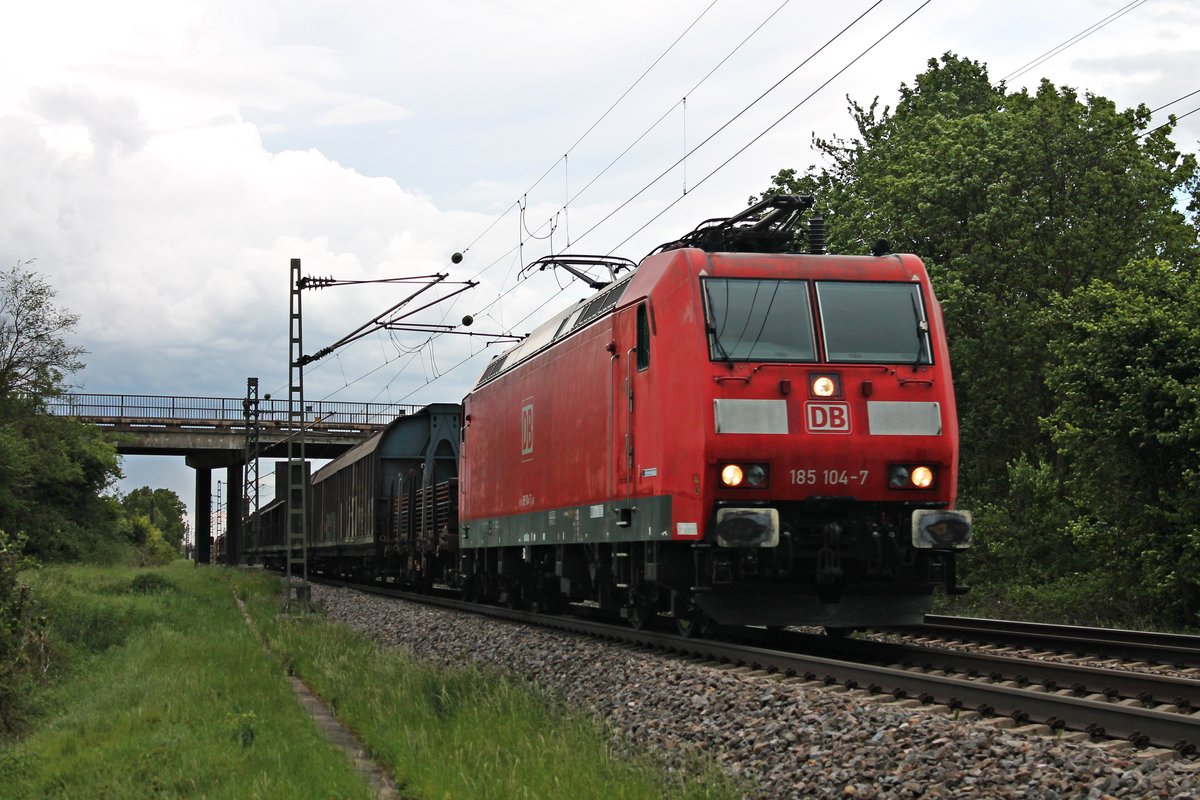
<point>23,654</point>
<point>152,549</point>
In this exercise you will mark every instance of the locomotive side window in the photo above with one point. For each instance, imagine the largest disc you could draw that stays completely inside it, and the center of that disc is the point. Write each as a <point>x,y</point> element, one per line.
<point>758,320</point>
<point>643,338</point>
<point>880,323</point>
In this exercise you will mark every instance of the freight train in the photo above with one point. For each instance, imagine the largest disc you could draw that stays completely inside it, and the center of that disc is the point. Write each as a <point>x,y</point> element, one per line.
<point>739,430</point>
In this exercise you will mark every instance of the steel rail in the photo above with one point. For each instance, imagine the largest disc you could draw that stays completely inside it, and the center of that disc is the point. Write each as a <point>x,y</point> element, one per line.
<point>1081,680</point>
<point>1157,648</point>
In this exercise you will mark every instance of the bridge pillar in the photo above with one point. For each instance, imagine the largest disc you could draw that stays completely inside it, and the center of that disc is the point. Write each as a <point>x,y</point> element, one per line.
<point>204,464</point>
<point>203,515</point>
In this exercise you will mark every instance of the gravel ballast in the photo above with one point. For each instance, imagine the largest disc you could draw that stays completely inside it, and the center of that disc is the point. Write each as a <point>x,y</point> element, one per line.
<point>783,739</point>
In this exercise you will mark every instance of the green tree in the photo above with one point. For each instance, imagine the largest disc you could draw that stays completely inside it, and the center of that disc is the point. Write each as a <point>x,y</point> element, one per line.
<point>1027,207</point>
<point>1124,377</point>
<point>35,353</point>
<point>162,507</point>
<point>53,470</point>
<point>1012,199</point>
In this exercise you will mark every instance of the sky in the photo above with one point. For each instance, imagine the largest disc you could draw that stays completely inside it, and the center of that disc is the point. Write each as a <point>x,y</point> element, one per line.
<point>163,161</point>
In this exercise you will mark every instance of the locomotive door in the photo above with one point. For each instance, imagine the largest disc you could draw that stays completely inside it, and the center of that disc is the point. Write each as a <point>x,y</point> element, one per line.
<point>631,327</point>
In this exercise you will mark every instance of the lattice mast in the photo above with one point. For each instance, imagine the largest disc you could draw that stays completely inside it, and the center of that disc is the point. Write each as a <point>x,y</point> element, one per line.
<point>251,525</point>
<point>296,535</point>
<point>395,318</point>
<point>217,526</point>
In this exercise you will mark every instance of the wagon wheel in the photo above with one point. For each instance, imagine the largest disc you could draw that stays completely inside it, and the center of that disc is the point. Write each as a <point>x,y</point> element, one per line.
<point>513,594</point>
<point>547,599</point>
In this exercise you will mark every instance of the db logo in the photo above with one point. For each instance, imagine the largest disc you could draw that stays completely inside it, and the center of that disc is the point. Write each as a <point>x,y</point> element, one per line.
<point>827,417</point>
<point>527,429</point>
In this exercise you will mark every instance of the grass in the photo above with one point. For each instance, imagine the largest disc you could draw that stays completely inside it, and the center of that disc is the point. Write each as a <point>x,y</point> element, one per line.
<point>468,732</point>
<point>161,690</point>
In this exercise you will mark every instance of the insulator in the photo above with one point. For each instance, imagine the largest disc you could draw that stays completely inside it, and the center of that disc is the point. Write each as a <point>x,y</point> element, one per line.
<point>816,235</point>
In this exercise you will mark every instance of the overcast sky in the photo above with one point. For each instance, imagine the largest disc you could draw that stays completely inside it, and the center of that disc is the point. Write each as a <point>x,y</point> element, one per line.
<point>163,161</point>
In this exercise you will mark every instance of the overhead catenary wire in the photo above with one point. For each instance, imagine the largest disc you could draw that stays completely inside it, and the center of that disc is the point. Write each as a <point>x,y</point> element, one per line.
<point>676,105</point>
<point>1073,40</point>
<point>1128,8</point>
<point>731,120</point>
<point>1078,37</point>
<point>690,151</point>
<point>1170,103</point>
<point>701,144</point>
<point>564,209</point>
<point>569,199</point>
<point>593,126</point>
<point>757,137</point>
<point>520,203</point>
<point>787,114</point>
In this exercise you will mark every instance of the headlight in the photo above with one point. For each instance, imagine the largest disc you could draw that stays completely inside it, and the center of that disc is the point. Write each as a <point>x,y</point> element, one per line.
<point>826,385</point>
<point>921,477</point>
<point>732,475</point>
<point>756,475</point>
<point>911,476</point>
<point>746,476</point>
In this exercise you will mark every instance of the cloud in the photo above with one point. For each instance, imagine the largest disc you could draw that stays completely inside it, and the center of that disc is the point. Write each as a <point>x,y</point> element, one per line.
<point>362,110</point>
<point>165,161</point>
<point>112,122</point>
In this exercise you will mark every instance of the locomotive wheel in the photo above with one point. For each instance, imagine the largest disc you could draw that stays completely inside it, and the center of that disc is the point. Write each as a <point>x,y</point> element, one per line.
<point>642,609</point>
<point>691,626</point>
<point>472,591</point>
<point>690,621</point>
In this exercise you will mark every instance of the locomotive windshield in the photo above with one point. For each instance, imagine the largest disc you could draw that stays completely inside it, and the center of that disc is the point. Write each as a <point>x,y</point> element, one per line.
<point>758,320</point>
<point>881,323</point>
<point>770,320</point>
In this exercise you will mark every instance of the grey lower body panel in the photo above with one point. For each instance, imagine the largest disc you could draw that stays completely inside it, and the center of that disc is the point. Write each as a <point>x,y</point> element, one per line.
<point>638,519</point>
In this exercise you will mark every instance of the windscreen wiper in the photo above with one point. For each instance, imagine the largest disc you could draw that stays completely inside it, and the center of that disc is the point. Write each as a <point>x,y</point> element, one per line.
<point>922,333</point>
<point>712,331</point>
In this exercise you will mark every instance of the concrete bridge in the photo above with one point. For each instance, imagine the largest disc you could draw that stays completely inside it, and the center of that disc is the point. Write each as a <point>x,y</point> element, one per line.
<point>212,432</point>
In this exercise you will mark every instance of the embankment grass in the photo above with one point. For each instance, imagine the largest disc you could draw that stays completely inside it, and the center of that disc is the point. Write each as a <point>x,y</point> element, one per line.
<point>161,690</point>
<point>467,732</point>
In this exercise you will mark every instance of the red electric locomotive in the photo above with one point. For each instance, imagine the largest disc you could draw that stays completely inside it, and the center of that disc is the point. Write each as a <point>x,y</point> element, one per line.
<point>732,432</point>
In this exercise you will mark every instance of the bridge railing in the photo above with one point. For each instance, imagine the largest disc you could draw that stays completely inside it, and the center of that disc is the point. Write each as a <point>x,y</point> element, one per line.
<point>183,410</point>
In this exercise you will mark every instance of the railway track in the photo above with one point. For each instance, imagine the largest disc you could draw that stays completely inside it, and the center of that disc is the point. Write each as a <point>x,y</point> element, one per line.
<point>1155,712</point>
<point>1154,649</point>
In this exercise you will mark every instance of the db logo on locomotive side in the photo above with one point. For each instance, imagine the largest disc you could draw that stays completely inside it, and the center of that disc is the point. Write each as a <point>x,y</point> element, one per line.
<point>527,430</point>
<point>827,417</point>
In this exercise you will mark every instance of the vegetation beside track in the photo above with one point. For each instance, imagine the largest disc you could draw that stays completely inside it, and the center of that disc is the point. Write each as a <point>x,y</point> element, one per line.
<point>156,686</point>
